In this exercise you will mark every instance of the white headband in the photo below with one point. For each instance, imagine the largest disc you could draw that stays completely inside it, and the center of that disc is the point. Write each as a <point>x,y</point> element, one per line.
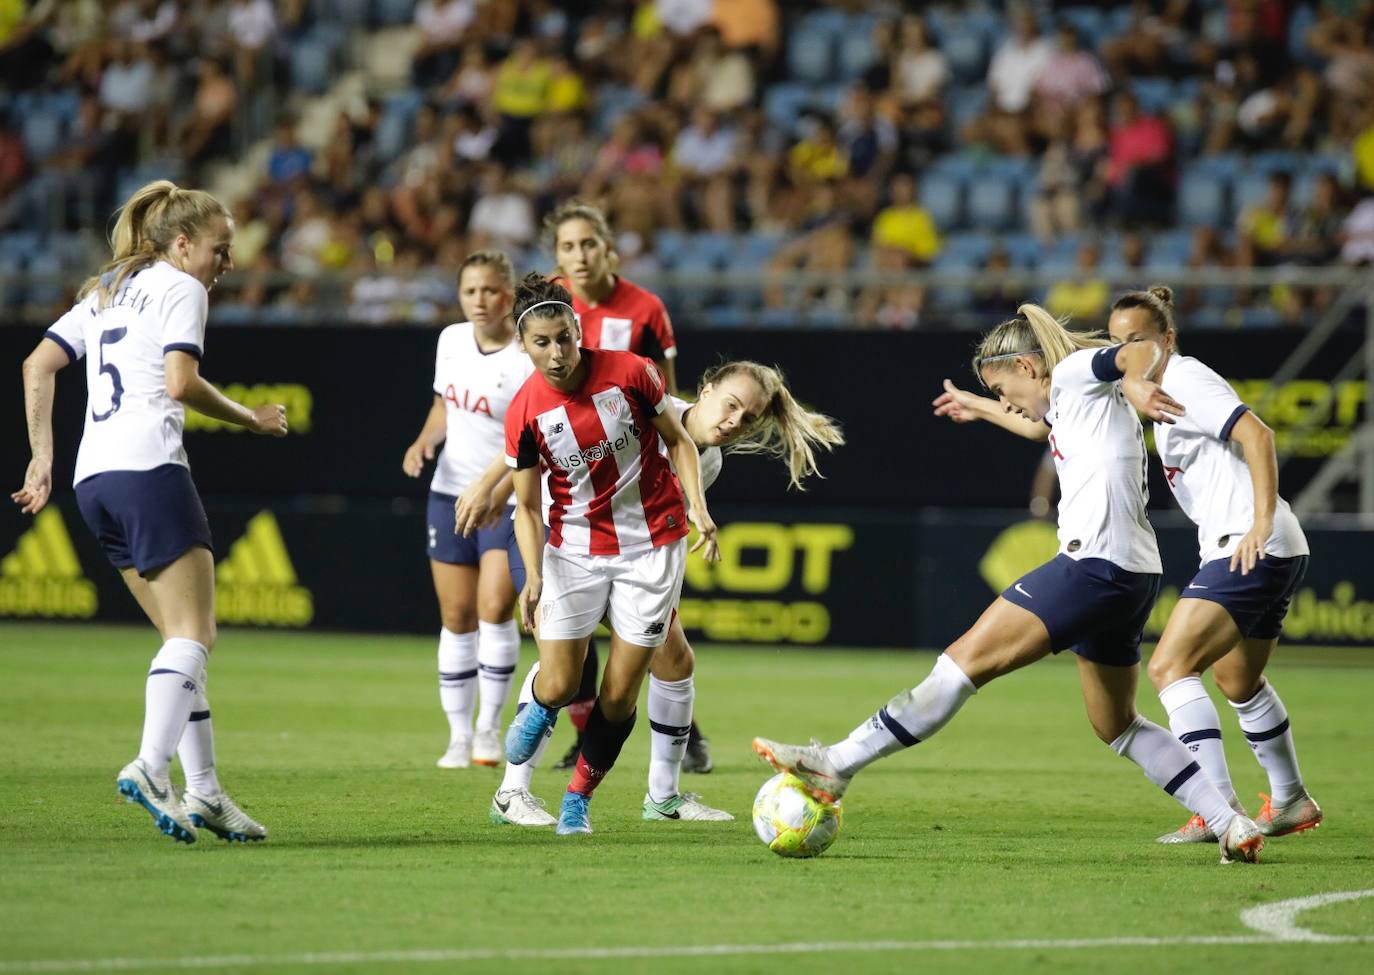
<point>538,304</point>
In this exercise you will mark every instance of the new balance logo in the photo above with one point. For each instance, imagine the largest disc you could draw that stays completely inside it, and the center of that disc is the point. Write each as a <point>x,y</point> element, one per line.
<point>653,629</point>
<point>556,429</point>
<point>257,584</point>
<point>42,577</point>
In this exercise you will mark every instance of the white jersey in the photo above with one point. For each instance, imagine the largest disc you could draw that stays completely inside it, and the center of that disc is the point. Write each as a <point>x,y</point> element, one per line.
<point>712,458</point>
<point>1098,448</point>
<point>476,388</point>
<point>132,424</point>
<point>1208,473</point>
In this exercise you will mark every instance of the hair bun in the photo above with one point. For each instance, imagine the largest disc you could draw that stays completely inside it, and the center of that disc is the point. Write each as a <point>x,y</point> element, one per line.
<point>1163,292</point>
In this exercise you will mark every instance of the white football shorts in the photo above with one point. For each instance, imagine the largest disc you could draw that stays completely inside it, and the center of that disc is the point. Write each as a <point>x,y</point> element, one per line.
<point>636,594</point>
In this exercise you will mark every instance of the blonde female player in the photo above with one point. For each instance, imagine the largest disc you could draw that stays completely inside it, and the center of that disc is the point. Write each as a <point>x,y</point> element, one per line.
<point>140,324</point>
<point>1220,463</point>
<point>614,313</point>
<point>595,419</point>
<point>477,371</point>
<point>1077,391</point>
<point>741,407</point>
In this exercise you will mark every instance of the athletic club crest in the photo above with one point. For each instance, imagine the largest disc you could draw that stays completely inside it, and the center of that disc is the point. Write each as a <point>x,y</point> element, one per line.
<point>614,406</point>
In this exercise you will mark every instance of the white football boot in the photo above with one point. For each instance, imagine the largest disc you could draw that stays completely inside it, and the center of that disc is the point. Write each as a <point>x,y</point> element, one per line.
<point>686,807</point>
<point>459,754</point>
<point>516,807</point>
<point>155,794</point>
<point>808,763</point>
<point>487,750</point>
<point>222,816</point>
<point>1242,841</point>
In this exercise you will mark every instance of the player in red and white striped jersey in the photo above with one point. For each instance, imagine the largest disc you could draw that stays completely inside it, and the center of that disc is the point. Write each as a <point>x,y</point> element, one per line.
<point>617,527</point>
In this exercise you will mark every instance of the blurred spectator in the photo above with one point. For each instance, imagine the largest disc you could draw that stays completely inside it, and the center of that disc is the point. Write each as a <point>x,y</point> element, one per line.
<point>251,236</point>
<point>824,246</point>
<point>253,24</point>
<point>1084,296</point>
<point>206,128</point>
<point>747,24</point>
<point>305,235</point>
<point>1266,228</point>
<point>567,91</point>
<point>474,135</point>
<point>126,87</point>
<point>1140,164</point>
<point>705,155</point>
<point>1016,66</point>
<point>1132,251</point>
<point>471,82</point>
<point>817,157</point>
<point>997,292</point>
<point>905,226</point>
<point>443,25</point>
<point>502,217</point>
<point>1070,75</point>
<point>148,21</point>
<point>14,164</point>
<point>521,94</point>
<point>1362,149</point>
<point>867,139</point>
<point>921,70</point>
<point>683,17</point>
<point>1316,234</point>
<point>720,79</point>
<point>289,161</point>
<point>1156,42</point>
<point>1057,206</point>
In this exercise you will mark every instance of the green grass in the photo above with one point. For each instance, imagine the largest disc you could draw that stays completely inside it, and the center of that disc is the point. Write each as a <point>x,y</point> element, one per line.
<point>1015,823</point>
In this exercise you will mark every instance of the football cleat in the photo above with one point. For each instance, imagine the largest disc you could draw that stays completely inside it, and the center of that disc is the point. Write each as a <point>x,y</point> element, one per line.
<point>222,816</point>
<point>698,757</point>
<point>532,724</point>
<point>459,754</point>
<point>516,807</point>
<point>686,807</point>
<point>1242,841</point>
<point>808,763</point>
<point>486,749</point>
<point>1194,830</point>
<point>574,818</point>
<point>155,794</point>
<point>1296,815</point>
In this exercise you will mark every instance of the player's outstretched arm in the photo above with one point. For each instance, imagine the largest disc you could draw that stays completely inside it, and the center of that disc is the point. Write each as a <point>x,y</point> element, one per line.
<point>40,387</point>
<point>961,406</point>
<point>1141,362</point>
<point>430,437</point>
<point>186,385</point>
<point>686,462</point>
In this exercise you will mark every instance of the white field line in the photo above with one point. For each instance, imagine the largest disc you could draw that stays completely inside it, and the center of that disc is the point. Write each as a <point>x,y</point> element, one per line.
<point>1274,924</point>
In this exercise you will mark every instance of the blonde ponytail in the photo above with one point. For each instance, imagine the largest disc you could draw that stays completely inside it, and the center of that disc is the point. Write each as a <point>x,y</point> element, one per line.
<point>785,429</point>
<point>148,223</point>
<point>1033,331</point>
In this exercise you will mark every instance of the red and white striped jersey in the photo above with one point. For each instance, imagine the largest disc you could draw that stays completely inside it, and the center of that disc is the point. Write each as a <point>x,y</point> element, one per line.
<point>611,491</point>
<point>630,319</point>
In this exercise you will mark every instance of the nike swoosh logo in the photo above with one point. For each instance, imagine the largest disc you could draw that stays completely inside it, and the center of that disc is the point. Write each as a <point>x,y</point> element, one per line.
<point>503,806</point>
<point>217,809</point>
<point>1191,586</point>
<point>672,815</point>
<point>157,793</point>
<point>1023,592</point>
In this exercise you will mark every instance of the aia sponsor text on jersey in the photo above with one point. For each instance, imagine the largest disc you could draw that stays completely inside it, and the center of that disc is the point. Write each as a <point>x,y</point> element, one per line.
<point>478,404</point>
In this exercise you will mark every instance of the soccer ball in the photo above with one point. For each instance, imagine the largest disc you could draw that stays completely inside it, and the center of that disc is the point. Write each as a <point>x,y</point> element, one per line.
<point>791,821</point>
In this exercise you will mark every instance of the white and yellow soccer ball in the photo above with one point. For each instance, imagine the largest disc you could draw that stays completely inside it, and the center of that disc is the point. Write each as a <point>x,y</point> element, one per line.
<point>792,822</point>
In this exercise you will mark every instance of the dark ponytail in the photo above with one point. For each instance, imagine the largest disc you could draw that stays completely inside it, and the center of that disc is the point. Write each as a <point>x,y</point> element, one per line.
<point>550,297</point>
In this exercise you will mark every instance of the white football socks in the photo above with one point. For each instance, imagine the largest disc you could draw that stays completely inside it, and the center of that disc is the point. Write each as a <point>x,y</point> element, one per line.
<point>168,697</point>
<point>1169,765</point>
<point>457,680</point>
<point>520,776</point>
<point>498,651</point>
<point>1194,721</point>
<point>670,721</point>
<point>1264,720</point>
<point>910,717</point>
<point>197,746</point>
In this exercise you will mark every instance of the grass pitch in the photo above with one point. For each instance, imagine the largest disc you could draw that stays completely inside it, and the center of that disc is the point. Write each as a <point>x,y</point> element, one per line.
<point>1001,845</point>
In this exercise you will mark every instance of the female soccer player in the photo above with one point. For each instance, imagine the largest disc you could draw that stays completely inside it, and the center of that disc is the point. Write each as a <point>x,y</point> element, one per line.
<point>1077,391</point>
<point>477,371</point>
<point>614,313</point>
<point>141,325</point>
<point>741,407</point>
<point>1220,463</point>
<point>595,419</point>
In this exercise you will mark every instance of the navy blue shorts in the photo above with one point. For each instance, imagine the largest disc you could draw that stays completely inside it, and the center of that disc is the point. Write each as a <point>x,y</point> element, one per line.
<point>144,519</point>
<point>1258,602</point>
<point>445,546</point>
<point>1090,606</point>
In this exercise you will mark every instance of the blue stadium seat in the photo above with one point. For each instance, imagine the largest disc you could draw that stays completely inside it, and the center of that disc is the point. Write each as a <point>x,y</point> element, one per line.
<point>1249,190</point>
<point>709,251</point>
<point>753,251</point>
<point>992,200</point>
<point>942,195</point>
<point>393,129</point>
<point>966,103</point>
<point>1262,317</point>
<point>1170,248</point>
<point>351,13</point>
<point>856,53</point>
<point>47,292</point>
<point>613,101</point>
<point>1086,20</point>
<point>43,133</point>
<point>1203,198</point>
<point>726,316</point>
<point>1277,160</point>
<point>1154,95</point>
<point>669,247</point>
<point>1025,250</point>
<point>967,52</point>
<point>782,103</point>
<point>312,63</point>
<point>395,11</point>
<point>810,54</point>
<point>1299,24</point>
